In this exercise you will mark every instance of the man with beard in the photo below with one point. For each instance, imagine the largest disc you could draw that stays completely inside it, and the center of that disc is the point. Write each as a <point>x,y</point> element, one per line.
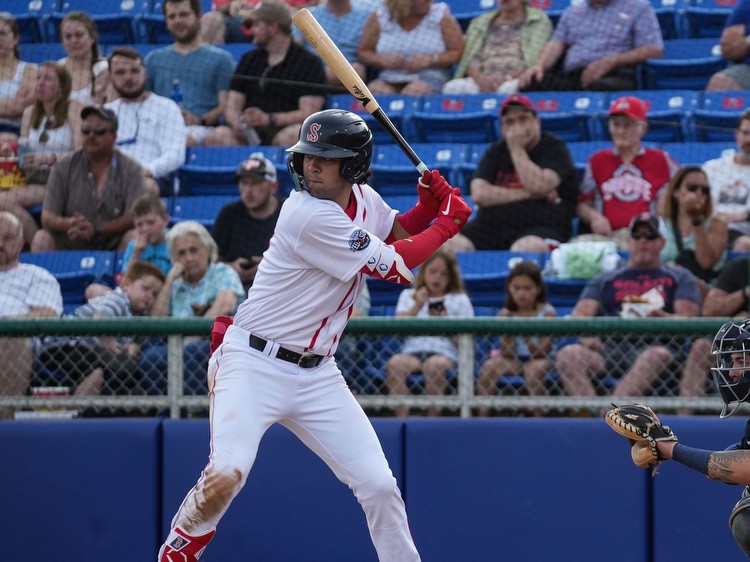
<point>152,130</point>
<point>275,87</point>
<point>189,68</point>
<point>243,228</point>
<point>729,178</point>
<point>90,192</point>
<point>29,291</point>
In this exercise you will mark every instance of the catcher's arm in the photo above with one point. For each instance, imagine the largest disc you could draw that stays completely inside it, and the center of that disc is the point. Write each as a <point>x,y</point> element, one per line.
<point>732,467</point>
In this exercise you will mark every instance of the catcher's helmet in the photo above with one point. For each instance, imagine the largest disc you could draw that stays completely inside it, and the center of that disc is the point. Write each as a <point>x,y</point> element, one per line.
<point>731,348</point>
<point>333,133</point>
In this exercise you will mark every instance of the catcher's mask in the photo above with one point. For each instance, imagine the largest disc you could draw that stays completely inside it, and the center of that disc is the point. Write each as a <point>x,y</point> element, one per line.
<point>731,348</point>
<point>333,133</point>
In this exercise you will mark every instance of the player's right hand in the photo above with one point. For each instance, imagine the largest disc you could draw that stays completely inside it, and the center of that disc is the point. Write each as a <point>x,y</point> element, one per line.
<point>454,213</point>
<point>432,189</point>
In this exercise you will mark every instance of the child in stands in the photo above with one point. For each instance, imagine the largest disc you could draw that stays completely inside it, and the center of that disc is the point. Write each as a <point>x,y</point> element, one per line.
<point>437,291</point>
<point>530,356</point>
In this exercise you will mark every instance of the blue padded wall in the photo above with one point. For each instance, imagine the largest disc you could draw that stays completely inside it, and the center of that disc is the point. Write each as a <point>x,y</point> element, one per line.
<point>292,506</point>
<point>691,512</point>
<point>79,490</point>
<point>526,491</point>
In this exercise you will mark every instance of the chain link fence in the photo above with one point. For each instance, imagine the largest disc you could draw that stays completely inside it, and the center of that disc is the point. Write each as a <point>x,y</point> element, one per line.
<point>64,367</point>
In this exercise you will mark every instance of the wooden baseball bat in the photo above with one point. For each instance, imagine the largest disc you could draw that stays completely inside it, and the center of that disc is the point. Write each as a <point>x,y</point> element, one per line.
<point>336,61</point>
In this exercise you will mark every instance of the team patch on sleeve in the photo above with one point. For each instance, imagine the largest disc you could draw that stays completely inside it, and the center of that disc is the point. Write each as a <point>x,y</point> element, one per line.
<point>359,240</point>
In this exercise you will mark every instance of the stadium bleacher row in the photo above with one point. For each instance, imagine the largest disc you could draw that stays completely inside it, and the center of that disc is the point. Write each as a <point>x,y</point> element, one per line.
<point>141,21</point>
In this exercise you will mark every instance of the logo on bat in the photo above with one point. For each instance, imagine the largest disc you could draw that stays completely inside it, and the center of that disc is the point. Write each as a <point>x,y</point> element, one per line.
<point>313,135</point>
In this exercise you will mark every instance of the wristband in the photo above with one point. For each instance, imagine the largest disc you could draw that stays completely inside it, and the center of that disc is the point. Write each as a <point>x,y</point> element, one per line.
<point>697,459</point>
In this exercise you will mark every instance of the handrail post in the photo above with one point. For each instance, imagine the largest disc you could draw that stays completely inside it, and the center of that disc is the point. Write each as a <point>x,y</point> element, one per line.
<point>175,374</point>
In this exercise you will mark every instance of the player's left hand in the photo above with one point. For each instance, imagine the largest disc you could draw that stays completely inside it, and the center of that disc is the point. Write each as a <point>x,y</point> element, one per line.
<point>432,189</point>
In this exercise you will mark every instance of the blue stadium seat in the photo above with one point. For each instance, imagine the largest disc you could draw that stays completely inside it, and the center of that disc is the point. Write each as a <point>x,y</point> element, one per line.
<point>201,208</point>
<point>485,272</point>
<point>706,18</point>
<point>42,52</point>
<point>397,107</point>
<point>152,28</point>
<point>75,270</point>
<point>670,113</point>
<point>572,116</point>
<point>31,17</point>
<point>403,203</point>
<point>115,19</point>
<point>687,65</point>
<point>465,171</point>
<point>696,153</point>
<point>237,50</point>
<point>554,8</point>
<point>564,293</point>
<point>581,151</point>
<point>457,118</point>
<point>210,170</point>
<point>671,15</point>
<point>717,115</point>
<point>394,174</point>
<point>466,10</point>
<point>142,48</point>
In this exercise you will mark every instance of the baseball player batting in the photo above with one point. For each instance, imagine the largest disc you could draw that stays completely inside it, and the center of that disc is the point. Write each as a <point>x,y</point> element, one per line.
<point>653,443</point>
<point>275,362</point>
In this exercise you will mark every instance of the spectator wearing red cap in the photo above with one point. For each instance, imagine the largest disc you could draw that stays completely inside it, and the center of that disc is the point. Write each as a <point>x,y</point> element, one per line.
<point>624,180</point>
<point>597,45</point>
<point>525,187</point>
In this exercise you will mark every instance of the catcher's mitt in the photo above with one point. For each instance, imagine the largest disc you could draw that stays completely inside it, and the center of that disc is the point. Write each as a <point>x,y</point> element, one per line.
<point>642,428</point>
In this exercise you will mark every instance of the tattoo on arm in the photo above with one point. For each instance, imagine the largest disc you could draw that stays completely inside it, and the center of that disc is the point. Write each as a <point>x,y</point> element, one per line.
<point>724,465</point>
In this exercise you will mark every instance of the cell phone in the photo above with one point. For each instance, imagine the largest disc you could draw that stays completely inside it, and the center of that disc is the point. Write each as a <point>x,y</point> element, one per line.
<point>436,306</point>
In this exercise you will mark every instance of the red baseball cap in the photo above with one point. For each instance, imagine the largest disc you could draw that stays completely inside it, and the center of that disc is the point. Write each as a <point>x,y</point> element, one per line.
<point>519,101</point>
<point>629,106</point>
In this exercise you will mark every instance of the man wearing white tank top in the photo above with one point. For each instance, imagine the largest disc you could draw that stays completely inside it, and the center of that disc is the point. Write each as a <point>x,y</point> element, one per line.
<point>274,363</point>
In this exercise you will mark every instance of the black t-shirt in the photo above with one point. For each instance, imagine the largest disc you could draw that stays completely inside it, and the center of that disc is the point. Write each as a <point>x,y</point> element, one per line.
<point>238,235</point>
<point>511,220</point>
<point>278,88</point>
<point>734,276</point>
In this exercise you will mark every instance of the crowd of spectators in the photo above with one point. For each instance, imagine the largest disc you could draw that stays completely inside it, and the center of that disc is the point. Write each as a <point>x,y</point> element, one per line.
<point>100,140</point>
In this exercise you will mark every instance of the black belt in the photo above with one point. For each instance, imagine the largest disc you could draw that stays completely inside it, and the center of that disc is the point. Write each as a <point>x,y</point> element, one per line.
<point>304,361</point>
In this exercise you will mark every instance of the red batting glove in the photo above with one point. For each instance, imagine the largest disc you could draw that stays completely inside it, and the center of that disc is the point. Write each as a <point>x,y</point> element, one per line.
<point>432,189</point>
<point>454,212</point>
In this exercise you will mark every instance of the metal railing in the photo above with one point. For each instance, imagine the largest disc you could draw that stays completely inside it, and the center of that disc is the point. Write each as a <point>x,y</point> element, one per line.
<point>464,329</point>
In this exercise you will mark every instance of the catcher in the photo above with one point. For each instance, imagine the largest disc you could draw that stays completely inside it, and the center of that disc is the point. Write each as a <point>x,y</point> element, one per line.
<point>652,442</point>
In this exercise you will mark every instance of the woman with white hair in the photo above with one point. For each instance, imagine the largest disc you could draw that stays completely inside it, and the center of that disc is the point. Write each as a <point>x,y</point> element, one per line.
<point>196,286</point>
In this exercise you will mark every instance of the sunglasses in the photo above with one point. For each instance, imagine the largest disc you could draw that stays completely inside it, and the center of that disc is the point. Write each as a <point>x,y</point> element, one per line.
<point>98,131</point>
<point>647,235</point>
<point>693,187</point>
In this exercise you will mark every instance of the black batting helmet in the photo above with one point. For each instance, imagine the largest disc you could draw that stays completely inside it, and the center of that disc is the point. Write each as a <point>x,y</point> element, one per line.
<point>731,348</point>
<point>333,133</point>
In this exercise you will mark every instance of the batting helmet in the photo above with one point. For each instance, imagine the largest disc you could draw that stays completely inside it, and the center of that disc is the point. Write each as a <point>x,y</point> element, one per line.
<point>731,348</point>
<point>333,133</point>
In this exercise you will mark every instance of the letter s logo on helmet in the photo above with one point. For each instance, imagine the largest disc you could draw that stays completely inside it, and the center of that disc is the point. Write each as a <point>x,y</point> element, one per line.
<point>313,136</point>
<point>333,133</point>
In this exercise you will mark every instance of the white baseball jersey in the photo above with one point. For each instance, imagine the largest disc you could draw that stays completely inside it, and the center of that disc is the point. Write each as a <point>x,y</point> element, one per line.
<point>315,254</point>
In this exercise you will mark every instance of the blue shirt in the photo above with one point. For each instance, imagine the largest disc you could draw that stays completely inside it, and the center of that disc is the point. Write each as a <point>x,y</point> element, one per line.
<point>202,74</point>
<point>157,255</point>
<point>345,30</point>
<point>218,278</point>
<point>740,14</point>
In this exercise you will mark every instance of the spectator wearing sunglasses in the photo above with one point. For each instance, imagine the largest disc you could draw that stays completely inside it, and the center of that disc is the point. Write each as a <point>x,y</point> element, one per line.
<point>51,129</point>
<point>624,180</point>
<point>695,239</point>
<point>152,129</point>
<point>91,191</point>
<point>664,291</point>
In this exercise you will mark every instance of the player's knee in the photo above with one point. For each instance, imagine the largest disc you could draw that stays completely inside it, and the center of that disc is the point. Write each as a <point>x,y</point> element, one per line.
<point>379,487</point>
